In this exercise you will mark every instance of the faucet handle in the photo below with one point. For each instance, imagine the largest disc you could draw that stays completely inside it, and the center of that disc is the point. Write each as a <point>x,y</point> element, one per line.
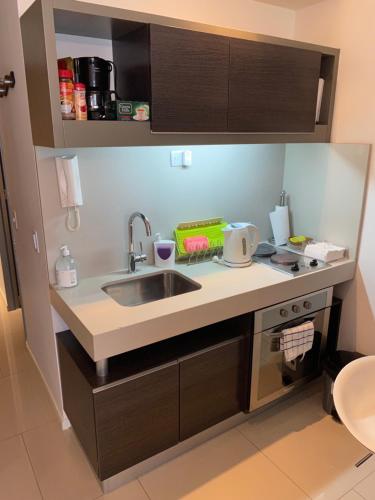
<point>142,256</point>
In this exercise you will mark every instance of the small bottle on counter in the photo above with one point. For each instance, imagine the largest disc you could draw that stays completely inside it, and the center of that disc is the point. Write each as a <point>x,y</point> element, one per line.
<point>164,252</point>
<point>66,94</point>
<point>80,105</point>
<point>66,269</point>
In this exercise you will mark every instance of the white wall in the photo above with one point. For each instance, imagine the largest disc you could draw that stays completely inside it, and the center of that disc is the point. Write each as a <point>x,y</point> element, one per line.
<point>240,183</point>
<point>349,25</point>
<point>240,14</point>
<point>326,184</point>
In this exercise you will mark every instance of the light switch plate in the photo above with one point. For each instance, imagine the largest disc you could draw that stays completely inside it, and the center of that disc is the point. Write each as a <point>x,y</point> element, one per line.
<point>181,158</point>
<point>176,158</point>
<point>187,158</point>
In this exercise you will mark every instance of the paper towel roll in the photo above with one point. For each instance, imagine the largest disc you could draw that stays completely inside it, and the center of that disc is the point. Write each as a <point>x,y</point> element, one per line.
<point>280,224</point>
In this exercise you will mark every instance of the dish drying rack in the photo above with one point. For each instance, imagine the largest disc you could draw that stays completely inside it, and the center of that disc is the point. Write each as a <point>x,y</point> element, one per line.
<point>211,228</point>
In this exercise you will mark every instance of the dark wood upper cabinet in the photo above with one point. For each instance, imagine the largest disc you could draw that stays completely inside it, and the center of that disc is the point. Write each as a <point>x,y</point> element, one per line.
<point>212,386</point>
<point>272,88</point>
<point>189,80</point>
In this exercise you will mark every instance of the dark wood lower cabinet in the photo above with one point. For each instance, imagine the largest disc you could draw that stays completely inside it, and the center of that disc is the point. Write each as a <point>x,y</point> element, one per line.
<point>136,419</point>
<point>155,396</point>
<point>212,386</point>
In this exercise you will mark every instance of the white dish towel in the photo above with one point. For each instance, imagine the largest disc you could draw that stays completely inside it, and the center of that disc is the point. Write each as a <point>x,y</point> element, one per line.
<point>297,340</point>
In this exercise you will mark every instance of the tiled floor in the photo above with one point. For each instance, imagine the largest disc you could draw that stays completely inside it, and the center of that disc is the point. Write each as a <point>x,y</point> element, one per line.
<point>293,451</point>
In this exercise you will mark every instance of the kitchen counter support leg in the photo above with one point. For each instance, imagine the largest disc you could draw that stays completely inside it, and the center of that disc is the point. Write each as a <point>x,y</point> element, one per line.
<point>102,367</point>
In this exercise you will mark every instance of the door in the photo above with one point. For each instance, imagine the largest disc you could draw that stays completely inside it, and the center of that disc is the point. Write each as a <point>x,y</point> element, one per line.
<point>136,419</point>
<point>18,156</point>
<point>212,386</point>
<point>189,80</point>
<point>272,88</point>
<point>8,263</point>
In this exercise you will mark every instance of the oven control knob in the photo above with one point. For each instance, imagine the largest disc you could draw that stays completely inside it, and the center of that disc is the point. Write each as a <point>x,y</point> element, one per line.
<point>295,268</point>
<point>307,304</point>
<point>284,313</point>
<point>296,309</point>
<point>314,263</point>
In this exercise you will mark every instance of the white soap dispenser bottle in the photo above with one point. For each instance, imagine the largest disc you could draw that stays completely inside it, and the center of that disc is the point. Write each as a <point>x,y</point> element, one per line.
<point>66,269</point>
<point>164,252</point>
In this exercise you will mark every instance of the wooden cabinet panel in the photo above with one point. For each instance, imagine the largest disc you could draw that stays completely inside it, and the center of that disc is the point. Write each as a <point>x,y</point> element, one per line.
<point>136,419</point>
<point>189,80</point>
<point>77,395</point>
<point>212,386</point>
<point>272,88</point>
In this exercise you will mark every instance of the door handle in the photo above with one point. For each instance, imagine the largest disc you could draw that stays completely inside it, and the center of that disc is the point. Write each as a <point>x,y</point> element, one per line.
<point>6,83</point>
<point>15,220</point>
<point>36,242</point>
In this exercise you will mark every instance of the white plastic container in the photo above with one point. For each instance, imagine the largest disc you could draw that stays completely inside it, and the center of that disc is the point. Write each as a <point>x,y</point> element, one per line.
<point>164,252</point>
<point>66,269</point>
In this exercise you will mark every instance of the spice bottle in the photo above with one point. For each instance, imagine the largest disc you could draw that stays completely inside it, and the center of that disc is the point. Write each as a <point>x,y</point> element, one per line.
<point>66,94</point>
<point>80,105</point>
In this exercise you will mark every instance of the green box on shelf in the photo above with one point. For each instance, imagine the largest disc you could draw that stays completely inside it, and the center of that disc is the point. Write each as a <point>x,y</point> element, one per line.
<point>133,110</point>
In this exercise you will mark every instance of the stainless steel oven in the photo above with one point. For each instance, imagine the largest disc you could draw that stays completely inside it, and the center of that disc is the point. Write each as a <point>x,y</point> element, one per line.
<point>273,377</point>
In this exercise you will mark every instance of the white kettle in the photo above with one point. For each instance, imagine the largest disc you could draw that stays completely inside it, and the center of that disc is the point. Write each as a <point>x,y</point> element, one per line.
<point>240,243</point>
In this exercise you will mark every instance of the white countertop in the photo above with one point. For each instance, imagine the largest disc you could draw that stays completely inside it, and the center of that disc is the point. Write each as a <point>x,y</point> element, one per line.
<point>106,328</point>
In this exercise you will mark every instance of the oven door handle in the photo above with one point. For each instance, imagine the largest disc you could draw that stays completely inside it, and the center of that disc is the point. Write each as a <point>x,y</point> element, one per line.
<point>276,336</point>
<point>292,324</point>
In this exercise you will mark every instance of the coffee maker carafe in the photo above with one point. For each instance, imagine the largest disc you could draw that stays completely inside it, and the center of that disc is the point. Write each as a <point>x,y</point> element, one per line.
<point>95,73</point>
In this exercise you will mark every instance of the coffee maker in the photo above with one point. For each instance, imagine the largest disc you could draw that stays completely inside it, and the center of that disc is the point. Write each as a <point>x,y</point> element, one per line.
<point>95,73</point>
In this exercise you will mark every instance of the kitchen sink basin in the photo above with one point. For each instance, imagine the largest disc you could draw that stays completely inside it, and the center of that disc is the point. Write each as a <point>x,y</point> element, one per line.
<point>151,287</point>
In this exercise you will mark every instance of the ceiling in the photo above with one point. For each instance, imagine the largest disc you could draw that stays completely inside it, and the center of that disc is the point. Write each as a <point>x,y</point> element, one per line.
<point>292,4</point>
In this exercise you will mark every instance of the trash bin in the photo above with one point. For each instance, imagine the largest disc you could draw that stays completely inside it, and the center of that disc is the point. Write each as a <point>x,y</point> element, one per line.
<point>331,368</point>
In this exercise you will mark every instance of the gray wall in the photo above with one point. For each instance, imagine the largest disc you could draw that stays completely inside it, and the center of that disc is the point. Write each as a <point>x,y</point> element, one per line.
<point>240,183</point>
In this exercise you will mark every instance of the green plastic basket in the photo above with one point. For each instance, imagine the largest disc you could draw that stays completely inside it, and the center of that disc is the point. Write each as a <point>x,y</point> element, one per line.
<point>211,228</point>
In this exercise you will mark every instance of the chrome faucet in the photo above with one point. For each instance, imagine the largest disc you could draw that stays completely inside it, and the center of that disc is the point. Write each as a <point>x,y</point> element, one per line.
<point>133,258</point>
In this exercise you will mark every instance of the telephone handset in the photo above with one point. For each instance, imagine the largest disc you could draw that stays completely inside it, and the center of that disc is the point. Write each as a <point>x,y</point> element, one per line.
<point>69,188</point>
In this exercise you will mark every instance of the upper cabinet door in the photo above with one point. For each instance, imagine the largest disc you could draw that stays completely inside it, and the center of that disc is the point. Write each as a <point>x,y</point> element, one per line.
<point>189,80</point>
<point>272,88</point>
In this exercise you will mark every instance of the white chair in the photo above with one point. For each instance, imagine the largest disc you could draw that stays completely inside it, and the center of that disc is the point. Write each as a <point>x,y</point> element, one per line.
<point>354,397</point>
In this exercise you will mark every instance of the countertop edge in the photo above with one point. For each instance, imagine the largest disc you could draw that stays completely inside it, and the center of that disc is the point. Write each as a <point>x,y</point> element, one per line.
<point>131,337</point>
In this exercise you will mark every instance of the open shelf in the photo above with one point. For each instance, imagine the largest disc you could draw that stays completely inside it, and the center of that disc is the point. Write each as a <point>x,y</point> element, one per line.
<point>125,34</point>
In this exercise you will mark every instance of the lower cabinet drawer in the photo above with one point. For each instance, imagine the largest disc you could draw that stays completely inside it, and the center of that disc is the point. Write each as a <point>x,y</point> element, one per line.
<point>212,386</point>
<point>156,396</point>
<point>136,419</point>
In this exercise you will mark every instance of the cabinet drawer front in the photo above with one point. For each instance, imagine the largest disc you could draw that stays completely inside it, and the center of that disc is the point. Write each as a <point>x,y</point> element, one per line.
<point>212,387</point>
<point>272,88</point>
<point>136,419</point>
<point>189,79</point>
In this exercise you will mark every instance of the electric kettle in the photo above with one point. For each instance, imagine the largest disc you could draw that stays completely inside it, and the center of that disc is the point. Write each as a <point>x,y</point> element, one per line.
<point>240,243</point>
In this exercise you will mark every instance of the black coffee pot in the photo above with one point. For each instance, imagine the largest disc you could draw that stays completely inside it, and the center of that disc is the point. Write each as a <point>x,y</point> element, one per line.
<point>100,105</point>
<point>94,72</point>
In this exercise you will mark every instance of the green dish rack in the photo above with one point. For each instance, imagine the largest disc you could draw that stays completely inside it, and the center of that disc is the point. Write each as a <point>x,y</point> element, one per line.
<point>211,228</point>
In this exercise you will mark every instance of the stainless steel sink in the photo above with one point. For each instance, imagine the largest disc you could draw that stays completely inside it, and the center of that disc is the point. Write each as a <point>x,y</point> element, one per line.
<point>148,288</point>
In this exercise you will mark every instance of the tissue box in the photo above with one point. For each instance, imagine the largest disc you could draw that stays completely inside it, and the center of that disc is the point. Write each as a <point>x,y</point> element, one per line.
<point>327,252</point>
<point>133,110</point>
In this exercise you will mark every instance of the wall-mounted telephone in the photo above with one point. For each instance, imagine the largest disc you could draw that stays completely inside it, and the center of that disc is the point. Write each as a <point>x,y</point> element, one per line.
<point>70,188</point>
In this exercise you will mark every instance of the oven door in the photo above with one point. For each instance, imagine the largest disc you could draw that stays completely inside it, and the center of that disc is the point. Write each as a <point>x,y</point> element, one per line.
<point>272,376</point>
